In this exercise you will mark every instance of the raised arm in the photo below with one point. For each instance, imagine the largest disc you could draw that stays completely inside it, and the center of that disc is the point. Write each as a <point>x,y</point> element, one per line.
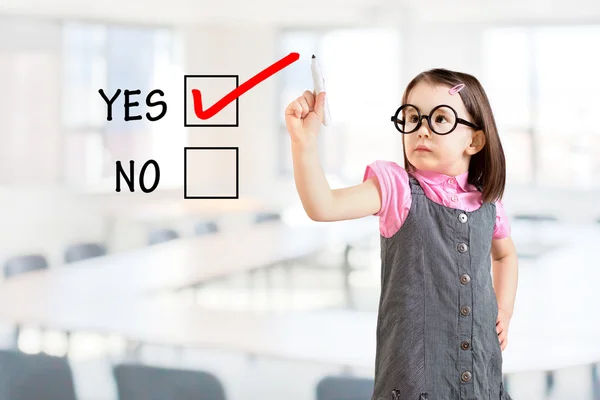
<point>303,120</point>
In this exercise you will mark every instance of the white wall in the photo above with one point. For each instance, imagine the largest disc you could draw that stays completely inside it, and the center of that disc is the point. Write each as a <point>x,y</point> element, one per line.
<point>35,216</point>
<point>441,45</point>
<point>29,100</point>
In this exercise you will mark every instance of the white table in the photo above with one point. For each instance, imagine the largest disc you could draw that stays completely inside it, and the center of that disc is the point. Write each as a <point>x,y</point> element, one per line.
<point>345,338</point>
<point>191,261</point>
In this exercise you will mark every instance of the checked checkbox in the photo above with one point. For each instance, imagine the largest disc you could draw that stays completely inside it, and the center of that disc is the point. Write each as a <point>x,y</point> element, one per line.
<point>212,88</point>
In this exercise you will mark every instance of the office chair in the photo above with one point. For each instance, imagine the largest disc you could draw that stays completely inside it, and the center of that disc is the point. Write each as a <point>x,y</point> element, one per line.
<point>266,217</point>
<point>35,377</point>
<point>344,388</point>
<point>21,264</point>
<point>161,236</point>
<point>82,251</point>
<point>205,227</point>
<point>140,382</point>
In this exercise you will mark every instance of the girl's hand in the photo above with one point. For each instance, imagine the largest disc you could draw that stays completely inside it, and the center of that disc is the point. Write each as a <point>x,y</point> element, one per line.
<point>502,328</point>
<point>304,116</point>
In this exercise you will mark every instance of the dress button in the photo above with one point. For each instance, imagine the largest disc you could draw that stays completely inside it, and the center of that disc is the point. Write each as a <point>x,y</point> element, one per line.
<point>396,394</point>
<point>462,248</point>
<point>454,197</point>
<point>465,345</point>
<point>451,181</point>
<point>463,218</point>
<point>464,311</point>
<point>465,278</point>
<point>465,376</point>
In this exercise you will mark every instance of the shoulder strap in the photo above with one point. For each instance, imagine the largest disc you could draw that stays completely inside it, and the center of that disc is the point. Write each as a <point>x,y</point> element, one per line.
<point>415,186</point>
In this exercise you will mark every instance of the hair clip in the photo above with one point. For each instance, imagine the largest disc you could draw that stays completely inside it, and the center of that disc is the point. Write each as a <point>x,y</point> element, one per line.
<point>456,89</point>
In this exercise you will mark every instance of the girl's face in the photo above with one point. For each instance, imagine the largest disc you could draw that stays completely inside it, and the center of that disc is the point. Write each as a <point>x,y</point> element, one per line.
<point>448,154</point>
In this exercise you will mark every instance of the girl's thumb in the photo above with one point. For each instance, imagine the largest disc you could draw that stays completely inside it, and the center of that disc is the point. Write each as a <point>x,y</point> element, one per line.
<point>320,106</point>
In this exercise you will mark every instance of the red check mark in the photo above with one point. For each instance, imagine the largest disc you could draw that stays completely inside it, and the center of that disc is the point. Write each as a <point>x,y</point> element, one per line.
<point>241,89</point>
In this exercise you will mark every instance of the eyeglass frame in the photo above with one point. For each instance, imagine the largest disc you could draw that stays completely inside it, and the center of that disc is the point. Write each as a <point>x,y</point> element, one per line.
<point>457,121</point>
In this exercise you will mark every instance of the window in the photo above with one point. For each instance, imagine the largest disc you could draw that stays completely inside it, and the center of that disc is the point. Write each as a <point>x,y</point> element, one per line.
<point>112,57</point>
<point>538,81</point>
<point>567,96</point>
<point>362,73</point>
<point>30,65</point>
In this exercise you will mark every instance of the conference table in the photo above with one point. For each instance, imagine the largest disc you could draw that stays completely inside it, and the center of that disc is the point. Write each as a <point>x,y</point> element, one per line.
<point>191,261</point>
<point>63,297</point>
<point>555,325</point>
<point>335,337</point>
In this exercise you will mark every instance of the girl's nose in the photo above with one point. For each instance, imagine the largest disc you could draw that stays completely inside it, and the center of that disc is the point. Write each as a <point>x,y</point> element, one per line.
<point>423,130</point>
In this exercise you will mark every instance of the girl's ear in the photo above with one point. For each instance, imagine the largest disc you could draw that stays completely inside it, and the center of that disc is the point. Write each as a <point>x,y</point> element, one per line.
<point>477,142</point>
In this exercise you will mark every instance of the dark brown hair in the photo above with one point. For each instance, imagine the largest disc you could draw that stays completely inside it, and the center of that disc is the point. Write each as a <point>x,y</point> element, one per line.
<point>487,168</point>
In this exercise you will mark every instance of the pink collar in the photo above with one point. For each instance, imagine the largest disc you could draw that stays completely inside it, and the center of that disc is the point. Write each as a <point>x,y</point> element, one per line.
<point>436,178</point>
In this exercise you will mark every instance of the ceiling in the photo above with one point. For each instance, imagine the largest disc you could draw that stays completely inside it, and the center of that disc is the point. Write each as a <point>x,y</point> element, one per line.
<point>309,12</point>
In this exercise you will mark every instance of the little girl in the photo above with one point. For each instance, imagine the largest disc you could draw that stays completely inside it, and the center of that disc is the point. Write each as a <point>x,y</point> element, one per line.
<point>442,325</point>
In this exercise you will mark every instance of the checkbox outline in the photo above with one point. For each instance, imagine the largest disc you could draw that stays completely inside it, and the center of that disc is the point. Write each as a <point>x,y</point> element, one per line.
<point>237,172</point>
<point>185,96</point>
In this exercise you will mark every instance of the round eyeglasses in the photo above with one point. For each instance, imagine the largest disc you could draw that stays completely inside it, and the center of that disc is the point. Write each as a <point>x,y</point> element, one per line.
<point>442,120</point>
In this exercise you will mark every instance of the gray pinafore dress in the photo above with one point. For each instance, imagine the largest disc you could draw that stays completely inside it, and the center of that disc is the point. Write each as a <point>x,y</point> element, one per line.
<point>436,329</point>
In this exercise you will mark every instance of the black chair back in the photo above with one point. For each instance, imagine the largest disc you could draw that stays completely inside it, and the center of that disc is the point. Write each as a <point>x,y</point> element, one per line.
<point>140,382</point>
<point>205,228</point>
<point>266,217</point>
<point>35,377</point>
<point>81,251</point>
<point>26,263</point>
<point>162,235</point>
<point>344,388</point>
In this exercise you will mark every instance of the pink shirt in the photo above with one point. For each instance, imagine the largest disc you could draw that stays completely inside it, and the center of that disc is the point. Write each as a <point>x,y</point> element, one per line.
<point>453,192</point>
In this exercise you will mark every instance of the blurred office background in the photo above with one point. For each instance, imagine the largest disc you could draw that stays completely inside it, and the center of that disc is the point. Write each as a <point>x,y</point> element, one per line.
<point>247,295</point>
